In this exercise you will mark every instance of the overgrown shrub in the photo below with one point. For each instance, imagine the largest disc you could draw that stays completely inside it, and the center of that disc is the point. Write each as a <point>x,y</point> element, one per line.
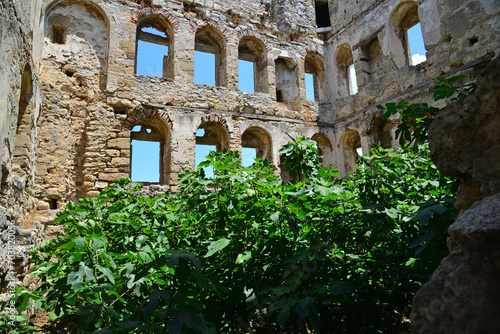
<point>243,252</point>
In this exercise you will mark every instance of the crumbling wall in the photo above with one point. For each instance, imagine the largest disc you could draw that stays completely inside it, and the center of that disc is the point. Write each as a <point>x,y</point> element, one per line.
<point>20,100</point>
<point>462,295</point>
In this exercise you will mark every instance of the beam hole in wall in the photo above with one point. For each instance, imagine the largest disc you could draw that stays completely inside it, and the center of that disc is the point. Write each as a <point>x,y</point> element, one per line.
<point>279,95</point>
<point>322,13</point>
<point>146,145</point>
<point>120,110</point>
<point>58,35</point>
<point>69,73</point>
<point>473,41</point>
<point>53,203</point>
<point>152,52</point>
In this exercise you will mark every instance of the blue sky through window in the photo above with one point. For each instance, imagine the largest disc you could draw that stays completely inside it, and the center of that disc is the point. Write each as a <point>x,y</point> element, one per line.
<point>248,156</point>
<point>204,68</point>
<point>310,86</point>
<point>145,161</point>
<point>150,55</point>
<point>417,47</point>
<point>245,76</point>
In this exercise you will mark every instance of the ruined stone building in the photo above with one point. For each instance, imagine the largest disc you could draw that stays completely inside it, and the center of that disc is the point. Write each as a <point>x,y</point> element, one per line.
<point>72,98</point>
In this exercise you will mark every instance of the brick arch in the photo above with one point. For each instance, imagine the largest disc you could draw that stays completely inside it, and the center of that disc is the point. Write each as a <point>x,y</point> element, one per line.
<point>214,119</point>
<point>147,116</point>
<point>136,16</point>
<point>255,34</point>
<point>215,25</point>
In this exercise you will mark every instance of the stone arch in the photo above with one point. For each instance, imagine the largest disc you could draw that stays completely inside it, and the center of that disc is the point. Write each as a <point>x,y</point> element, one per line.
<point>402,17</point>
<point>153,128</point>
<point>314,64</point>
<point>210,40</point>
<point>161,25</point>
<point>258,138</point>
<point>351,142</point>
<point>215,133</point>
<point>343,59</point>
<point>79,28</point>
<point>254,50</point>
<point>325,148</point>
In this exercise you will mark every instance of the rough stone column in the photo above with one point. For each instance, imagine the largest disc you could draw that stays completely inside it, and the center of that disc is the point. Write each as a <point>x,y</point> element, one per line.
<point>463,295</point>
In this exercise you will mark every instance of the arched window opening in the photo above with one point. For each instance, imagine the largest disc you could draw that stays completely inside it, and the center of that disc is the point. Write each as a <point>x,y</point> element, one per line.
<point>78,27</point>
<point>416,47</point>
<point>209,137</point>
<point>22,141</point>
<point>210,66</point>
<point>346,75</point>
<point>405,35</point>
<point>352,149</point>
<point>154,51</point>
<point>252,66</point>
<point>324,146</point>
<point>287,83</point>
<point>322,13</point>
<point>314,77</point>
<point>255,143</point>
<point>381,129</point>
<point>148,154</point>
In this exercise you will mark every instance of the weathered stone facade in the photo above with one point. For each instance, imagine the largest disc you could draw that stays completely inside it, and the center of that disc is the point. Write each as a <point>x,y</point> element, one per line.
<point>70,95</point>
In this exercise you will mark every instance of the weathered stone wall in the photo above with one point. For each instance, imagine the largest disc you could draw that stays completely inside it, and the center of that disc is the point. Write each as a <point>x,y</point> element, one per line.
<point>462,295</point>
<point>20,100</point>
<point>76,139</point>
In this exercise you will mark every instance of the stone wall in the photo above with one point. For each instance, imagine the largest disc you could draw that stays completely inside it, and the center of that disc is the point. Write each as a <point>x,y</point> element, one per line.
<point>20,100</point>
<point>85,96</point>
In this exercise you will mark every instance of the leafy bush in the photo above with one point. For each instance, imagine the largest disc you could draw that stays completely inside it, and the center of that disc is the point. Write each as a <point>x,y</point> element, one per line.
<point>243,252</point>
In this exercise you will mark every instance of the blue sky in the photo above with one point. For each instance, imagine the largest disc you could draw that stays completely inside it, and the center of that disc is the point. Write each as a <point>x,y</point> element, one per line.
<point>146,155</point>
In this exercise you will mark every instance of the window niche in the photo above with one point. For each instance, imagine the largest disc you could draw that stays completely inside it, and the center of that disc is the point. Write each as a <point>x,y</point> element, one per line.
<point>371,60</point>
<point>149,158</point>
<point>154,48</point>
<point>325,149</point>
<point>287,83</point>
<point>250,49</point>
<point>346,75</point>
<point>351,146</point>
<point>58,35</point>
<point>209,41</point>
<point>22,141</point>
<point>314,67</point>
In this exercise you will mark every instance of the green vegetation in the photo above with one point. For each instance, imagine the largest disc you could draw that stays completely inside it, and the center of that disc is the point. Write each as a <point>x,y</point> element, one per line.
<point>243,252</point>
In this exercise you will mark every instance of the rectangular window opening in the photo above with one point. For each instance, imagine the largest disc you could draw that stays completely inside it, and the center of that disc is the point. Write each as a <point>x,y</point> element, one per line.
<point>152,50</point>
<point>145,161</point>
<point>353,83</point>
<point>248,156</point>
<point>322,14</point>
<point>310,92</point>
<point>204,68</point>
<point>58,35</point>
<point>246,76</point>
<point>416,52</point>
